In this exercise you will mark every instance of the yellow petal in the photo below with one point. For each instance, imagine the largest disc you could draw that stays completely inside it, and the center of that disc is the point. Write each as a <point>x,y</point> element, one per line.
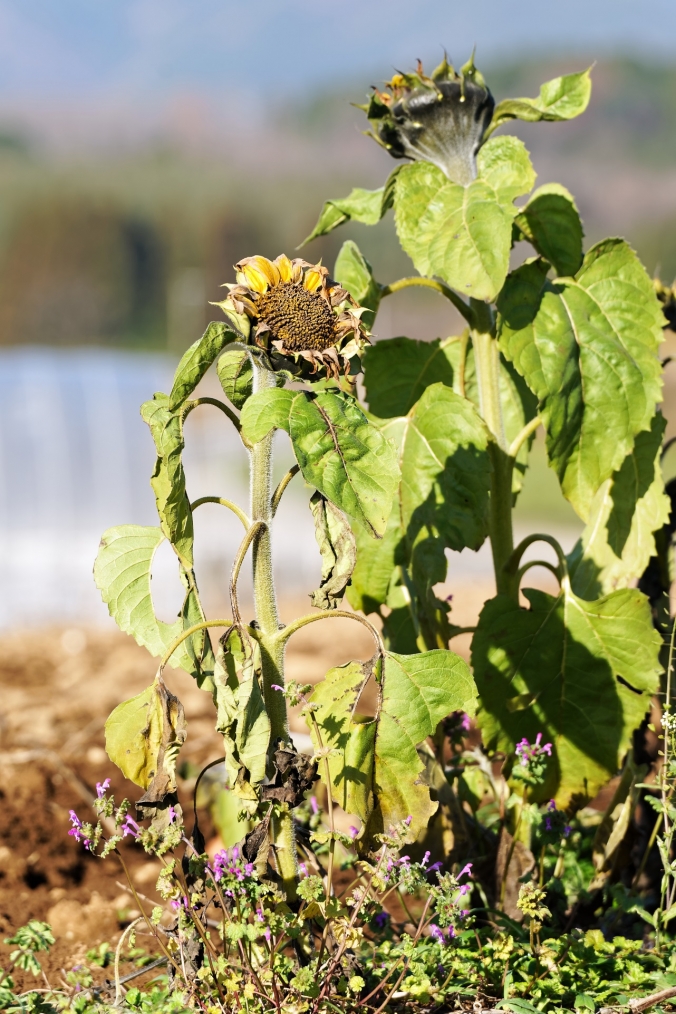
<point>285,267</point>
<point>312,280</point>
<point>259,273</point>
<point>268,269</point>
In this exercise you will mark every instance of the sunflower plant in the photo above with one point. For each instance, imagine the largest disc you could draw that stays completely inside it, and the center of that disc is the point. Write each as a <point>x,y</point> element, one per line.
<point>429,462</point>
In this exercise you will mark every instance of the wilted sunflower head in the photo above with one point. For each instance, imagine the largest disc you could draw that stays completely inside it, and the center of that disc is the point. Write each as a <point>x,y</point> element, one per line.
<point>440,119</point>
<point>299,311</point>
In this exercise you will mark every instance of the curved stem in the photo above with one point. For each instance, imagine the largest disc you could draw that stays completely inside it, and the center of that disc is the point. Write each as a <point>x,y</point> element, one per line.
<point>430,283</point>
<point>537,563</point>
<point>224,503</point>
<point>256,527</point>
<point>523,435</point>
<point>188,632</point>
<point>462,630</point>
<point>327,614</point>
<point>512,564</point>
<point>118,952</point>
<point>279,492</point>
<point>190,405</point>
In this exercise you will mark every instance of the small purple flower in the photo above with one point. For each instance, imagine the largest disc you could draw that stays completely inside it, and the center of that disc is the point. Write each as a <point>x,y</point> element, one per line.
<point>467,869</point>
<point>314,805</point>
<point>434,867</point>
<point>130,827</point>
<point>354,831</point>
<point>380,920</point>
<point>267,934</point>
<point>303,869</point>
<point>276,686</point>
<point>464,889</point>
<point>551,805</point>
<point>408,820</point>
<point>437,933</point>
<point>172,815</point>
<point>102,788</point>
<point>425,859</point>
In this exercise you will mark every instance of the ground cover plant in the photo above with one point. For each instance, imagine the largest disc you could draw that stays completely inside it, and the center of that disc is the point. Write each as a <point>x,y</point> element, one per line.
<point>474,870</point>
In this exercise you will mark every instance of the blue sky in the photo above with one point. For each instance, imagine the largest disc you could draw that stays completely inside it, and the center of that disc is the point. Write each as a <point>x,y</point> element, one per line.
<point>143,47</point>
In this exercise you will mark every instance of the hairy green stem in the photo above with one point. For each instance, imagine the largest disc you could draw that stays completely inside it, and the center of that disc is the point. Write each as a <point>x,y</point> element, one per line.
<point>523,435</point>
<point>267,618</point>
<point>329,614</point>
<point>190,405</point>
<point>487,364</point>
<point>430,283</point>
<point>224,503</point>
<point>284,482</point>
<point>500,518</point>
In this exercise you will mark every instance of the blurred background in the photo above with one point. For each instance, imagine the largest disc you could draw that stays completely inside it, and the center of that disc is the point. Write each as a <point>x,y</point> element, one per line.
<point>146,145</point>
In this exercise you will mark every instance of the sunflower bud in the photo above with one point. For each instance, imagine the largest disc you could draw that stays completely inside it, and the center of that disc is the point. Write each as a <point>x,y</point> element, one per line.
<point>440,119</point>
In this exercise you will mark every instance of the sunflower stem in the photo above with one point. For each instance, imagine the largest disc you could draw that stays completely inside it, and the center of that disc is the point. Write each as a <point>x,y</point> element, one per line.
<point>267,618</point>
<point>487,365</point>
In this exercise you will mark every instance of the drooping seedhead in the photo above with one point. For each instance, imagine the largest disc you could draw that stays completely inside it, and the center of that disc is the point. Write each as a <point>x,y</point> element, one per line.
<point>299,311</point>
<point>440,119</point>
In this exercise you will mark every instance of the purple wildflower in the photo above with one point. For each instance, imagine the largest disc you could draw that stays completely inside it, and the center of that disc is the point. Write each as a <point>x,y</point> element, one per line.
<point>437,933</point>
<point>303,869</point>
<point>467,869</point>
<point>354,831</point>
<point>314,805</point>
<point>276,686</point>
<point>130,827</point>
<point>102,788</point>
<point>380,920</point>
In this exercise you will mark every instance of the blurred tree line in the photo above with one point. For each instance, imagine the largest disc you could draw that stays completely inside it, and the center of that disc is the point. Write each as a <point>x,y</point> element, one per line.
<point>127,250</point>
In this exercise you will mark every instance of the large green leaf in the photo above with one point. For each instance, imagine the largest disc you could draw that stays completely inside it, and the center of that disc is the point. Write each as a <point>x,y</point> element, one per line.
<point>376,560</point>
<point>398,370</point>
<point>366,206</point>
<point>143,737</point>
<point>445,470</point>
<point>551,223</point>
<point>587,347</point>
<point>443,504</point>
<point>581,673</point>
<point>122,572</point>
<point>338,450</point>
<point>355,274</point>
<point>235,373</point>
<point>375,771</point>
<point>617,543</point>
<point>562,98</point>
<point>198,358</point>
<point>464,234</point>
<point>168,478</point>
